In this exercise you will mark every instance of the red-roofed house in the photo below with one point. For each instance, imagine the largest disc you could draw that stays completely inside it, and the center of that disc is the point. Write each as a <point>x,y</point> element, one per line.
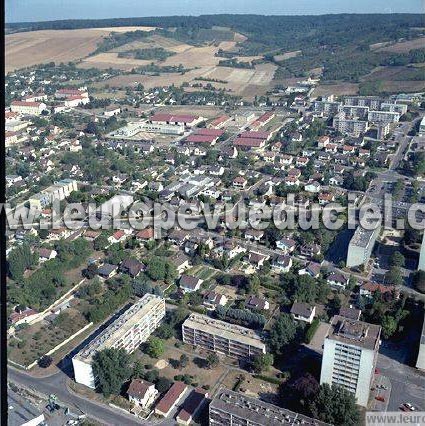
<point>203,139</point>
<point>170,399</point>
<point>249,143</point>
<point>142,393</point>
<point>219,122</point>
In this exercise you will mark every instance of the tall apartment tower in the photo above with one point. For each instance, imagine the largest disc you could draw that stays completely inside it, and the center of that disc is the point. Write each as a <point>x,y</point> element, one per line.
<point>349,356</point>
<point>128,331</point>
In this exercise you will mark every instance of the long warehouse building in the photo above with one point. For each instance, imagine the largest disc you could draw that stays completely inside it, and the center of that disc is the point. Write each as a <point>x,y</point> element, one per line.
<point>221,337</point>
<point>128,331</point>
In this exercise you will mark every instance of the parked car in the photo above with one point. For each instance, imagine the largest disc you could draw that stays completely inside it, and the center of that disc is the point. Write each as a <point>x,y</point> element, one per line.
<point>409,406</point>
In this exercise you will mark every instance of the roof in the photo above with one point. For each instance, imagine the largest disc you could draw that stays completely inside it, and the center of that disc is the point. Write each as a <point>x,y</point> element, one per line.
<point>45,252</point>
<point>337,277</point>
<point>189,281</point>
<point>372,287</point>
<point>28,104</point>
<point>350,313</point>
<point>356,333</point>
<point>249,142</point>
<point>197,138</point>
<point>224,329</point>
<point>138,388</point>
<point>132,266</point>
<point>302,309</point>
<point>106,269</point>
<point>192,404</point>
<point>209,132</point>
<point>170,398</point>
<point>256,302</point>
<point>146,234</point>
<point>257,411</point>
<point>255,135</point>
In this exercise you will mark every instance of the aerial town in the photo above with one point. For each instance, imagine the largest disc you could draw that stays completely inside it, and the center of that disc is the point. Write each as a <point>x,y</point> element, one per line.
<point>210,324</point>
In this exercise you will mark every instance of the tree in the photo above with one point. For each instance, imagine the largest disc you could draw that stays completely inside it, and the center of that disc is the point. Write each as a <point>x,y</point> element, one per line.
<point>101,242</point>
<point>397,260</point>
<point>184,360</point>
<point>212,360</point>
<point>165,331</point>
<point>111,367</point>
<point>335,405</point>
<point>45,361</point>
<point>306,386</point>
<point>262,363</point>
<point>394,276</point>
<point>389,326</point>
<point>154,347</point>
<point>282,333</point>
<point>163,384</point>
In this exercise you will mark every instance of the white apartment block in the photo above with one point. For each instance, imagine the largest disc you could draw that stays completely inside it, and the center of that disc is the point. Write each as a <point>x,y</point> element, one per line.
<point>326,107</point>
<point>349,356</point>
<point>420,361</point>
<point>373,102</point>
<point>354,111</point>
<point>30,108</point>
<point>58,191</point>
<point>222,337</point>
<point>347,126</point>
<point>128,331</point>
<point>361,246</point>
<point>393,107</point>
<point>383,117</point>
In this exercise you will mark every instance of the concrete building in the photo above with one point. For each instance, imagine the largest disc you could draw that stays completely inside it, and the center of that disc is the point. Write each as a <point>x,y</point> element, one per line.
<point>421,264</point>
<point>361,246</point>
<point>383,117</point>
<point>354,111</point>
<point>393,107</point>
<point>30,108</point>
<point>326,107</point>
<point>349,126</point>
<point>221,337</point>
<point>231,408</point>
<point>422,127</point>
<point>373,102</point>
<point>164,128</point>
<point>128,331</point>
<point>349,356</point>
<point>420,362</point>
<point>58,191</point>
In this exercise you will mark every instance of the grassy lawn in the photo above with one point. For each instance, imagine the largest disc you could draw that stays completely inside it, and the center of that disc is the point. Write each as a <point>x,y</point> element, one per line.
<point>34,341</point>
<point>203,272</point>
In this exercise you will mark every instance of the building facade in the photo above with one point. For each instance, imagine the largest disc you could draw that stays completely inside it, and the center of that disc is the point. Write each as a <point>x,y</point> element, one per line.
<point>221,337</point>
<point>349,356</point>
<point>128,331</point>
<point>361,246</point>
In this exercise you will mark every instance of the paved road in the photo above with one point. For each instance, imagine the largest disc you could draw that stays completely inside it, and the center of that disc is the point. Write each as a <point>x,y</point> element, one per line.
<point>57,384</point>
<point>407,383</point>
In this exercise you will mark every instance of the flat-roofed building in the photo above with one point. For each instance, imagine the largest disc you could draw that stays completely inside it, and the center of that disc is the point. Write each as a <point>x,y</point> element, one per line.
<point>383,116</point>
<point>231,408</point>
<point>326,107</point>
<point>128,331</point>
<point>393,107</point>
<point>222,337</point>
<point>349,126</point>
<point>361,246</point>
<point>58,191</point>
<point>349,356</point>
<point>373,102</point>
